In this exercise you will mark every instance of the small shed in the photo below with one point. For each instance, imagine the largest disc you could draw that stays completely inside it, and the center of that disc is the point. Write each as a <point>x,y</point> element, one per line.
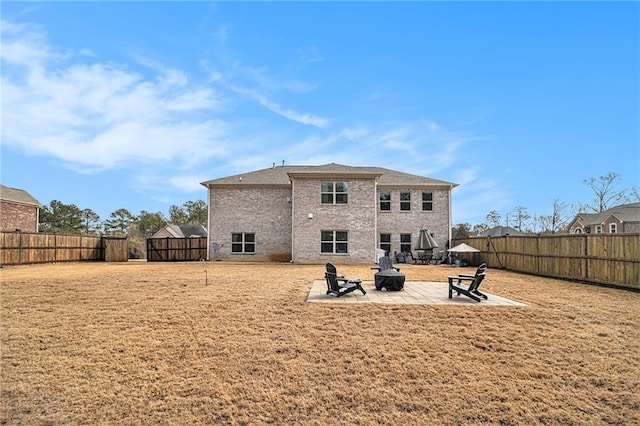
<point>181,231</point>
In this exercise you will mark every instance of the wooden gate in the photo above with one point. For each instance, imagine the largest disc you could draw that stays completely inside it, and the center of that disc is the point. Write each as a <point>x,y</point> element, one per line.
<point>176,249</point>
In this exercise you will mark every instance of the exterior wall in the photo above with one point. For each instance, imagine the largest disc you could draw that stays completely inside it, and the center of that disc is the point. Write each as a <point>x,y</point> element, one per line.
<point>358,217</point>
<point>266,212</point>
<point>163,233</point>
<point>630,228</point>
<point>396,221</point>
<point>14,216</point>
<point>608,221</point>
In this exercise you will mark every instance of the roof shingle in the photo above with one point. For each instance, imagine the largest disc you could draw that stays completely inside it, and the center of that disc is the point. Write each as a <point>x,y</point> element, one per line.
<point>15,195</point>
<point>281,176</point>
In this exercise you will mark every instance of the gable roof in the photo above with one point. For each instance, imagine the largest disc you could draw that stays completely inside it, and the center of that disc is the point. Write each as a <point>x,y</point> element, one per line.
<point>500,231</point>
<point>19,196</point>
<point>624,213</point>
<point>280,176</point>
<point>182,231</point>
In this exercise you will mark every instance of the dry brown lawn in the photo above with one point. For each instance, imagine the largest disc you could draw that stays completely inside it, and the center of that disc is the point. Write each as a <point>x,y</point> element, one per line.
<point>137,342</point>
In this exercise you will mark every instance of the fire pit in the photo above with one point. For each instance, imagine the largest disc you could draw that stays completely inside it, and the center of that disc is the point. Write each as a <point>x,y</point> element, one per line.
<point>389,279</point>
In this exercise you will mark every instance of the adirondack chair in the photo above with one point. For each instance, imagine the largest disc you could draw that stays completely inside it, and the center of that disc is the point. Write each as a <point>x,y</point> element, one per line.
<point>385,263</point>
<point>339,285</point>
<point>471,290</point>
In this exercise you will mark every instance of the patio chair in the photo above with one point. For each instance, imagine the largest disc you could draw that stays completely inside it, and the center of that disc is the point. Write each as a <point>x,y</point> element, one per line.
<point>339,285</point>
<point>437,257</point>
<point>471,291</point>
<point>385,263</point>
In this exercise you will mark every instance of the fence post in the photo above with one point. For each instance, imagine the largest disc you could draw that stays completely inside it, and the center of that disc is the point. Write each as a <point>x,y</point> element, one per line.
<point>586,257</point>
<point>20,249</point>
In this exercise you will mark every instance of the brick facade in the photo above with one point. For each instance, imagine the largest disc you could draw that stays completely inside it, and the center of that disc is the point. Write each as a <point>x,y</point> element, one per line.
<point>15,216</point>
<point>265,212</point>
<point>282,208</point>
<point>357,217</point>
<point>396,221</point>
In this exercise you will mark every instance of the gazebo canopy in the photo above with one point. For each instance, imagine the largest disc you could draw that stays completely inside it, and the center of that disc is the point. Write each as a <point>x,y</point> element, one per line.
<point>464,248</point>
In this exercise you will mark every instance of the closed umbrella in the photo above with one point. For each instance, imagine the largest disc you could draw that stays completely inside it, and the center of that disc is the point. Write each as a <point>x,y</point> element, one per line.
<point>426,243</point>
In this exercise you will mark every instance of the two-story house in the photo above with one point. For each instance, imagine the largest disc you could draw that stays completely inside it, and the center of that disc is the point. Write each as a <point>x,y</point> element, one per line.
<point>620,219</point>
<point>329,213</point>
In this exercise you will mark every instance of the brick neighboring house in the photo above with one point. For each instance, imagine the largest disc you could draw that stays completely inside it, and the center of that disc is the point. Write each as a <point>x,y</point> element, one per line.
<point>329,213</point>
<point>19,211</point>
<point>621,219</point>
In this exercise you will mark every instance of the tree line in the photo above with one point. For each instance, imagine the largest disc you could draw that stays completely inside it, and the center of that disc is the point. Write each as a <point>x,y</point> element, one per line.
<point>61,218</point>
<point>607,194</point>
<point>58,217</point>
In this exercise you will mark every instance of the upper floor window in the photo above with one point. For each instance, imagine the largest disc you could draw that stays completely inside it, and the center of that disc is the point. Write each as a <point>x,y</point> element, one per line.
<point>385,242</point>
<point>243,243</point>
<point>405,201</point>
<point>598,229</point>
<point>334,192</point>
<point>427,201</point>
<point>385,201</point>
<point>334,241</point>
<point>613,228</point>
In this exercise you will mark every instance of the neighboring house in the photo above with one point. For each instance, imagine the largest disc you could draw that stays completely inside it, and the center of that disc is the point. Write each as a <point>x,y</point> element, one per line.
<point>181,231</point>
<point>621,219</point>
<point>500,231</point>
<point>319,214</point>
<point>19,211</point>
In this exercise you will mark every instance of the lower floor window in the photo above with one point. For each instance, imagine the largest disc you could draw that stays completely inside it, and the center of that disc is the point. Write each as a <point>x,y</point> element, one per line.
<point>334,241</point>
<point>385,242</point>
<point>243,243</point>
<point>405,243</point>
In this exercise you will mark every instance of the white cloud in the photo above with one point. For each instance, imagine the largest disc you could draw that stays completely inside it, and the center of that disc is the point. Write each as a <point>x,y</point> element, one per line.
<point>97,116</point>
<point>303,118</point>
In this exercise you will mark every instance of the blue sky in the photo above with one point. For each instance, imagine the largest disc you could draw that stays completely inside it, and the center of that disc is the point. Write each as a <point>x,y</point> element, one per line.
<point>131,105</point>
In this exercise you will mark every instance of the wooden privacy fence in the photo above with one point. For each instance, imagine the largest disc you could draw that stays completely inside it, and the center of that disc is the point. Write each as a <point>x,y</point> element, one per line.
<point>176,249</point>
<point>612,259</point>
<point>21,248</point>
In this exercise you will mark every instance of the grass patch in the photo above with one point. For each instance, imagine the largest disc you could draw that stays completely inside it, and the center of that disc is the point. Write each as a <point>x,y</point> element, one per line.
<point>137,342</point>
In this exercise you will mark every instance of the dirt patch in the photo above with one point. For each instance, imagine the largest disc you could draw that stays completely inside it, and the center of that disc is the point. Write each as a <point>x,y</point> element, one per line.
<point>137,342</point>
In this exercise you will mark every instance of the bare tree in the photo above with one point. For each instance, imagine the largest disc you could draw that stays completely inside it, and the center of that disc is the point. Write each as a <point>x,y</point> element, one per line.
<point>493,218</point>
<point>606,193</point>
<point>522,217</point>
<point>560,215</point>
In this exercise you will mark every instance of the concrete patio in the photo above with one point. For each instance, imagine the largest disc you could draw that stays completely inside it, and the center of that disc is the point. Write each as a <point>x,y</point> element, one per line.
<point>414,293</point>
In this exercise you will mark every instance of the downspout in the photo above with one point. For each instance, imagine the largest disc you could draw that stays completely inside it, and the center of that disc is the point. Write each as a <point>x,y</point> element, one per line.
<point>208,222</point>
<point>375,219</point>
<point>293,219</point>
<point>450,220</point>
